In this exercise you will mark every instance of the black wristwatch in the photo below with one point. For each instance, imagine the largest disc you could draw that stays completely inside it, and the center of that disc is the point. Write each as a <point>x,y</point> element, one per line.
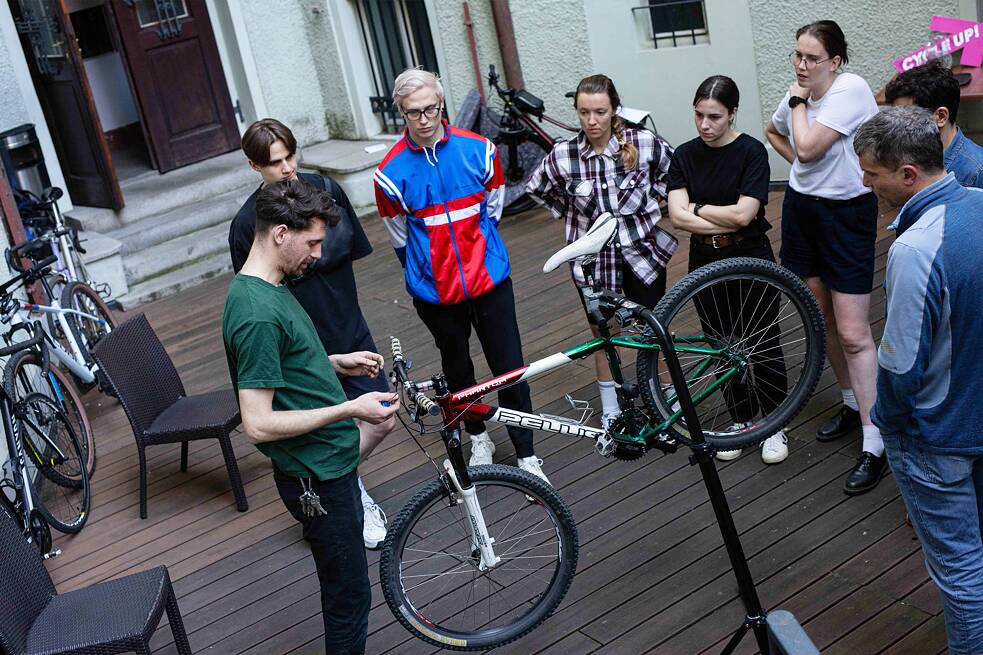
<point>795,101</point>
<point>697,208</point>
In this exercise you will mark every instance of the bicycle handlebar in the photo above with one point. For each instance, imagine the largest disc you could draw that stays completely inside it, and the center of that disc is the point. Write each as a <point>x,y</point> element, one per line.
<point>399,368</point>
<point>33,342</point>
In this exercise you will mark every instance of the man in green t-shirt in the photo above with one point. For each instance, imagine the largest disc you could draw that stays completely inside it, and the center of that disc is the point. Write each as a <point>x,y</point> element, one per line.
<point>293,406</point>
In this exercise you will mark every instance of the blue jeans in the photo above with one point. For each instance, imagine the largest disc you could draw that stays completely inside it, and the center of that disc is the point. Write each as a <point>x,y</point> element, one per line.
<point>944,496</point>
<point>339,555</point>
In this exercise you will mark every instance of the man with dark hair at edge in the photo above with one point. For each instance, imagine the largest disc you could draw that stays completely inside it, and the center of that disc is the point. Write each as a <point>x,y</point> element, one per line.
<point>439,190</point>
<point>928,407</point>
<point>935,88</point>
<point>293,406</point>
<point>326,288</point>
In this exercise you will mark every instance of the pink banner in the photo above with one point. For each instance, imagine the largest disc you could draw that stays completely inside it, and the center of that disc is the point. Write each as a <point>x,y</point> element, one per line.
<point>962,35</point>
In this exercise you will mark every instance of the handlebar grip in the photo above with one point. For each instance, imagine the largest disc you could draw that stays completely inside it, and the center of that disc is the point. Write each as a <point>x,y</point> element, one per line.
<point>22,345</point>
<point>427,405</point>
<point>397,348</point>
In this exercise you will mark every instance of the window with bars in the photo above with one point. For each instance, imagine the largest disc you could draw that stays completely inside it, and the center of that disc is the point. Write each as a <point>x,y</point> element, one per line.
<point>671,23</point>
<point>397,36</point>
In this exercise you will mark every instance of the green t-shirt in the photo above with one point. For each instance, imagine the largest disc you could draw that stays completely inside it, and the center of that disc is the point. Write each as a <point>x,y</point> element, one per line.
<point>271,343</point>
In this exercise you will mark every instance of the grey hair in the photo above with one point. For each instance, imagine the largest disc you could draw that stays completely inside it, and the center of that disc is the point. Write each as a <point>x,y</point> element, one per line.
<point>901,135</point>
<point>412,80</point>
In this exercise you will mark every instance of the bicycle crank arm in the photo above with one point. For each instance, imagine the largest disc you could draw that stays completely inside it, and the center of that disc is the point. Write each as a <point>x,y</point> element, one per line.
<point>480,539</point>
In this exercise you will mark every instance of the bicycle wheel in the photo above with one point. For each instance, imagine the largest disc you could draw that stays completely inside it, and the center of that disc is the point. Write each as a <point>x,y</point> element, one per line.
<point>81,297</point>
<point>753,344</point>
<point>23,375</point>
<point>429,568</point>
<point>64,506</point>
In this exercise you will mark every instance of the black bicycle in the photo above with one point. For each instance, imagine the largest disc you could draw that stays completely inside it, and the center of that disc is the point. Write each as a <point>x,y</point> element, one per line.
<point>48,484</point>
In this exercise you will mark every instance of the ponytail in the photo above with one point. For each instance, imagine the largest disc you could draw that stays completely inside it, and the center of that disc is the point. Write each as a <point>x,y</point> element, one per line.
<point>629,153</point>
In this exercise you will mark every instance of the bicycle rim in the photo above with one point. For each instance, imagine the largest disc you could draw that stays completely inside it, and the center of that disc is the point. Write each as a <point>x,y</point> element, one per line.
<point>751,342</point>
<point>66,507</point>
<point>23,375</point>
<point>86,331</point>
<point>429,568</point>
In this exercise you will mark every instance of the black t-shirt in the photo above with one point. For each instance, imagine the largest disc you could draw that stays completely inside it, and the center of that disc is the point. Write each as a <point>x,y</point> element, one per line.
<point>719,176</point>
<point>327,290</point>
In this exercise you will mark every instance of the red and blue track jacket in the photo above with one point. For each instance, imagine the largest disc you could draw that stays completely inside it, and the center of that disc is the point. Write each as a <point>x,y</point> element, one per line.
<point>441,206</point>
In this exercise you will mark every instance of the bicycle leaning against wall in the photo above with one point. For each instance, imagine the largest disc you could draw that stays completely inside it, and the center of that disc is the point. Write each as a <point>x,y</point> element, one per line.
<point>481,556</point>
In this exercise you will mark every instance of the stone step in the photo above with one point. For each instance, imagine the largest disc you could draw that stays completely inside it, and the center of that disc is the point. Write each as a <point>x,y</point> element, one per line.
<point>153,193</point>
<point>181,221</point>
<point>177,280</point>
<point>141,265</point>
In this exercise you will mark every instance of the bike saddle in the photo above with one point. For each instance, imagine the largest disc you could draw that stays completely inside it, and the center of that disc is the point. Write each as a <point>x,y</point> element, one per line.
<point>602,231</point>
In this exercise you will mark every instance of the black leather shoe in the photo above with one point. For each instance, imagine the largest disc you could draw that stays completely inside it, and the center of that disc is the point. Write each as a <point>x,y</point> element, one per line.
<point>866,474</point>
<point>845,422</point>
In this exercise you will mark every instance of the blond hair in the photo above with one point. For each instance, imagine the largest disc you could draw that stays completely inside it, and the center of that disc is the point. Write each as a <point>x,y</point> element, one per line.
<point>412,80</point>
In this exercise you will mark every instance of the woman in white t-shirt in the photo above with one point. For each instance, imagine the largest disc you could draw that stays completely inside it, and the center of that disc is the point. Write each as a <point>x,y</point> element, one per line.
<point>829,225</point>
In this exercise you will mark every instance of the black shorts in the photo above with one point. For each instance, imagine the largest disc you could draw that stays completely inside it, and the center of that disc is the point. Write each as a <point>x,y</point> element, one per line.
<point>363,384</point>
<point>830,239</point>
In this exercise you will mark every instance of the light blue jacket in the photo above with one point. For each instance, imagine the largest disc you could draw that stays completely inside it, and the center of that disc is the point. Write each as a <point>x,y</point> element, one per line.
<point>931,355</point>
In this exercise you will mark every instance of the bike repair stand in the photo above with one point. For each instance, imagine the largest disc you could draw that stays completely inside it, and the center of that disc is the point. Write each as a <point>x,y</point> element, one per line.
<point>788,638</point>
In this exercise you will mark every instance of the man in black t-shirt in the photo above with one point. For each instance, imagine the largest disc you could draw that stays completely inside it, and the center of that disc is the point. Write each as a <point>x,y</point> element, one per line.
<point>326,290</point>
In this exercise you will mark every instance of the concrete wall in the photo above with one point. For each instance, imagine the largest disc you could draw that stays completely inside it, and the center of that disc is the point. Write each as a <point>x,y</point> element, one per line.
<point>288,71</point>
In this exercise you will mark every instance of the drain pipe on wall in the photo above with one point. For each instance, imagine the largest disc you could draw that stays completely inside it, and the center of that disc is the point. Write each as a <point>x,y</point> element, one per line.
<point>506,43</point>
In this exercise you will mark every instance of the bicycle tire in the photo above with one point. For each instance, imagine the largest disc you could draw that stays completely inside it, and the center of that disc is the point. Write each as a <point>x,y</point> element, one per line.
<point>81,297</point>
<point>751,274</point>
<point>23,375</point>
<point>65,508</point>
<point>501,489</point>
<point>521,204</point>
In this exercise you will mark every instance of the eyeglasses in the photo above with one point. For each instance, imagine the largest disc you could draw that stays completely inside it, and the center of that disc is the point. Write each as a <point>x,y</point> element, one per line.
<point>811,62</point>
<point>429,112</point>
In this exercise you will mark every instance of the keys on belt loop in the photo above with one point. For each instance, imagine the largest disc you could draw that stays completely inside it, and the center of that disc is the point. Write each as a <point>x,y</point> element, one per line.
<point>310,504</point>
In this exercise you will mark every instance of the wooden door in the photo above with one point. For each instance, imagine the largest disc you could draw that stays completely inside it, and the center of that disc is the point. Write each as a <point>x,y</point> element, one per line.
<point>177,79</point>
<point>55,61</point>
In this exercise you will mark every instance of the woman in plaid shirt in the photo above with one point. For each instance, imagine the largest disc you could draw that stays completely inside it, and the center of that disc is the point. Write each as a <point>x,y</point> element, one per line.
<point>610,168</point>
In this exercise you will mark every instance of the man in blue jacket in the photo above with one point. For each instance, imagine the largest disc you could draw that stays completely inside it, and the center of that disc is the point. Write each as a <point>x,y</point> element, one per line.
<point>928,402</point>
<point>439,191</point>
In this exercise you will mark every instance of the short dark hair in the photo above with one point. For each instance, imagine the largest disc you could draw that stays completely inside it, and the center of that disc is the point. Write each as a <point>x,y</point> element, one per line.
<point>260,137</point>
<point>930,86</point>
<point>296,204</point>
<point>901,135</point>
<point>720,88</point>
<point>830,35</point>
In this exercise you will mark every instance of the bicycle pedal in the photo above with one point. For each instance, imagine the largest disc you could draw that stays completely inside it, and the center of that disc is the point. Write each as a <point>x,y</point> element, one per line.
<point>52,554</point>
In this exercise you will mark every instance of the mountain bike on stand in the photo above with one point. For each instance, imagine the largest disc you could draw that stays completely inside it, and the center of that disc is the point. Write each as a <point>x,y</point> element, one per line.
<point>483,555</point>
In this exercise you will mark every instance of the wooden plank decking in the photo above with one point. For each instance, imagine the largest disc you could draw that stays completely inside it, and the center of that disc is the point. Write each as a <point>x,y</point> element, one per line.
<point>653,575</point>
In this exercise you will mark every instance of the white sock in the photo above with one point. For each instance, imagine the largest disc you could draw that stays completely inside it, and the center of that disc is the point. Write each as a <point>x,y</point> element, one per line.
<point>609,397</point>
<point>849,399</point>
<point>873,443</point>
<point>366,498</point>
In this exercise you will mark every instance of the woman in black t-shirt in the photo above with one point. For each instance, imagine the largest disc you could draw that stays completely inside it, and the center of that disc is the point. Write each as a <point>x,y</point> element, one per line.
<point>718,187</point>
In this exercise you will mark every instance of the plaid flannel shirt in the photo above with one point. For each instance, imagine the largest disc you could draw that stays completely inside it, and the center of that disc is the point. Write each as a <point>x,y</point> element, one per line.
<point>578,185</point>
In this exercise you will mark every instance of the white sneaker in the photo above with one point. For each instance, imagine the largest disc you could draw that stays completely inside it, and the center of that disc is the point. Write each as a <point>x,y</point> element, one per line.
<point>608,418</point>
<point>374,527</point>
<point>482,449</point>
<point>774,449</point>
<point>728,455</point>
<point>533,465</point>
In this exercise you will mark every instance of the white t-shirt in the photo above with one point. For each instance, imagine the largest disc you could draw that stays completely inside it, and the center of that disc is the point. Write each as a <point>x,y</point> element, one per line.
<point>847,104</point>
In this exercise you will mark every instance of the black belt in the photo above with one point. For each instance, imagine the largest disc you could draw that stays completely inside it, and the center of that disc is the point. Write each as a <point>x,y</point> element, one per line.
<point>718,240</point>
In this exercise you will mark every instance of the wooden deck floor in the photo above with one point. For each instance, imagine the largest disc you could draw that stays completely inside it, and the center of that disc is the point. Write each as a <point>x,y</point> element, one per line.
<point>653,574</point>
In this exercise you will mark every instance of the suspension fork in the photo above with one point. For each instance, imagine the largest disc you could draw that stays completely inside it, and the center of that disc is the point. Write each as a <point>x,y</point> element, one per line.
<point>460,479</point>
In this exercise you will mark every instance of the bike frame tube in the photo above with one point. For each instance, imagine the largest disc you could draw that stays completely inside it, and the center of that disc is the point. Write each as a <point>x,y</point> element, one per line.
<point>17,464</point>
<point>72,361</point>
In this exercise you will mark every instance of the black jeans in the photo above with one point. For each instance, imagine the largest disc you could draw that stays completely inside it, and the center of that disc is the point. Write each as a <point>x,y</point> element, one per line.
<point>493,317</point>
<point>339,555</point>
<point>723,310</point>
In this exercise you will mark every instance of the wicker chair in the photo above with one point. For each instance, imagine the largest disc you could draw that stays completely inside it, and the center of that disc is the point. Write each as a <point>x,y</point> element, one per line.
<point>159,411</point>
<point>117,616</point>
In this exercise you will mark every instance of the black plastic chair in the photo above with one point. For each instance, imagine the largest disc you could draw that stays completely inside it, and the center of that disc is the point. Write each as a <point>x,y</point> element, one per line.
<point>117,616</point>
<point>159,410</point>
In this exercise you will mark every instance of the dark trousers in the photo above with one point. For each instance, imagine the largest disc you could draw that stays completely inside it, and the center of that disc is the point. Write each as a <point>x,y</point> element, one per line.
<point>725,310</point>
<point>336,543</point>
<point>493,317</point>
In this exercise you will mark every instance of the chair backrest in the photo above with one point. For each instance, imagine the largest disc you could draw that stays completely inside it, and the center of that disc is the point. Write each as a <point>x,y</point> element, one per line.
<point>134,360</point>
<point>25,586</point>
